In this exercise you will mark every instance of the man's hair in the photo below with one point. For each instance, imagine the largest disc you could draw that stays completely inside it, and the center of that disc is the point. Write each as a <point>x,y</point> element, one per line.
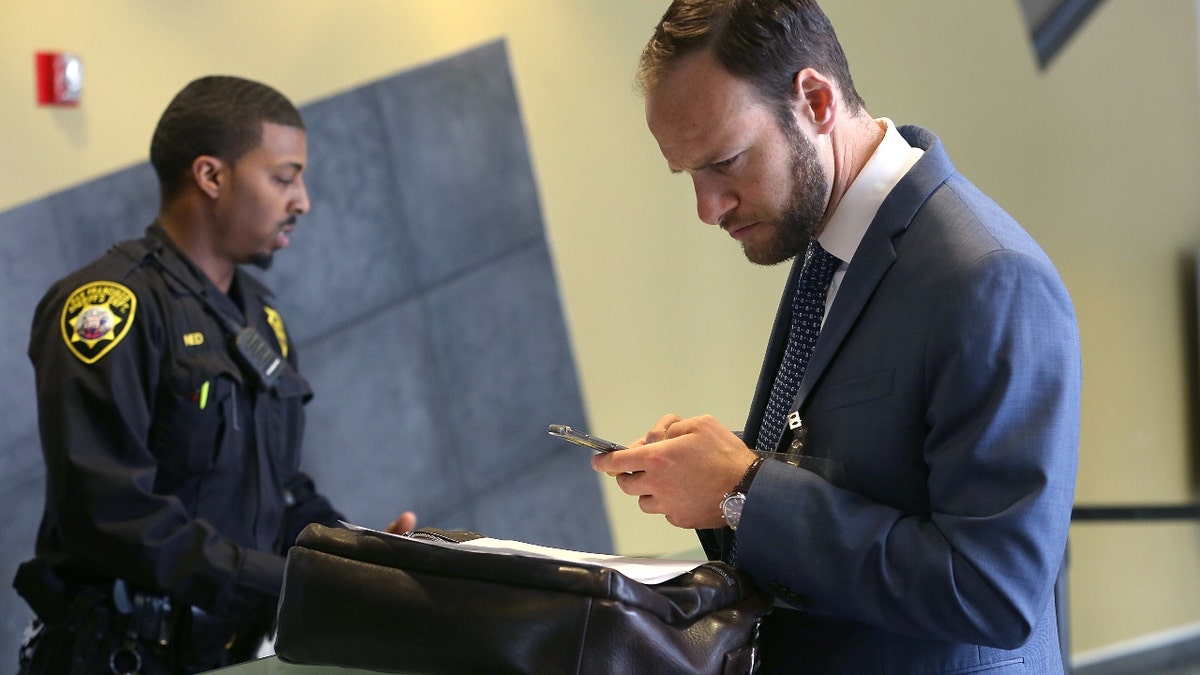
<point>765,42</point>
<point>218,115</point>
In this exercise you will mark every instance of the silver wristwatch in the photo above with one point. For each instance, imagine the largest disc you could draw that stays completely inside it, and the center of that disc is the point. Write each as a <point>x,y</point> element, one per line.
<point>731,508</point>
<point>733,501</point>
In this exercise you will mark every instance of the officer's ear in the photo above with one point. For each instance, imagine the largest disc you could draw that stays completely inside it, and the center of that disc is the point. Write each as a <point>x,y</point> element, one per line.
<point>208,173</point>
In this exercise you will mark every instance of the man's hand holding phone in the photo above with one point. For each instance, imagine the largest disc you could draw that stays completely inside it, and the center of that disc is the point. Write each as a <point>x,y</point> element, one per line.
<point>681,469</point>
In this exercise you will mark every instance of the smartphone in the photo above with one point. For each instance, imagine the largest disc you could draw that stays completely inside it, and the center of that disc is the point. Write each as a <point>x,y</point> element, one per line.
<point>587,440</point>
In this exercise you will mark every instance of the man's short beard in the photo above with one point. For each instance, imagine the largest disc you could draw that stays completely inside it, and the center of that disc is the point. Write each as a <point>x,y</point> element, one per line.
<point>262,260</point>
<point>801,217</point>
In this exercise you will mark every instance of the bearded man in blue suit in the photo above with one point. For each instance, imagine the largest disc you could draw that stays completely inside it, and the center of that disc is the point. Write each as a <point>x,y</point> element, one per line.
<point>908,501</point>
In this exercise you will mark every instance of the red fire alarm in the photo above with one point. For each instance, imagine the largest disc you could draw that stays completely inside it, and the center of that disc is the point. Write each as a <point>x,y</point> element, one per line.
<point>59,78</point>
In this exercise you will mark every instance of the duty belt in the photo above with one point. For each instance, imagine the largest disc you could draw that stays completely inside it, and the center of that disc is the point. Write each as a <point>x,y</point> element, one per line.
<point>154,623</point>
<point>150,622</point>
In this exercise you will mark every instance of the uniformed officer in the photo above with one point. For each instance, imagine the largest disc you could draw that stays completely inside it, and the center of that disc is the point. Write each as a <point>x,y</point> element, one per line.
<point>171,411</point>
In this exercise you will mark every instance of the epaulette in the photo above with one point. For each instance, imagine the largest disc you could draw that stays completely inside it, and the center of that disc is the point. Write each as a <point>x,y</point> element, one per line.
<point>136,250</point>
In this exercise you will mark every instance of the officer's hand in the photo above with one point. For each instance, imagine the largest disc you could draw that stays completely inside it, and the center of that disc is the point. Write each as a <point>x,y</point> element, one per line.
<point>407,522</point>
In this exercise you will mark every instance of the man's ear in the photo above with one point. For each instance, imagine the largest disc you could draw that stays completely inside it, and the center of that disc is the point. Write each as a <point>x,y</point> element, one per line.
<point>207,172</point>
<point>816,100</point>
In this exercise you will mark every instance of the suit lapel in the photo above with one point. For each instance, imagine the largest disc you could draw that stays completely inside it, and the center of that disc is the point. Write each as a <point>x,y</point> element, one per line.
<point>876,254</point>
<point>872,260</point>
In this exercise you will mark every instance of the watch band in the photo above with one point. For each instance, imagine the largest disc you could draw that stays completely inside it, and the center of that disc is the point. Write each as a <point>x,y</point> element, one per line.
<point>743,485</point>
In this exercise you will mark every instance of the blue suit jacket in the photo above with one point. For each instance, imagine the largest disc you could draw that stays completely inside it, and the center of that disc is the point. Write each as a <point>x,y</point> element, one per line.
<point>945,386</point>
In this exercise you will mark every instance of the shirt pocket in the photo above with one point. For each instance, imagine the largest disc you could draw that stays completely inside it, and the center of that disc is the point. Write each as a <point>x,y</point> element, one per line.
<point>284,421</point>
<point>197,422</point>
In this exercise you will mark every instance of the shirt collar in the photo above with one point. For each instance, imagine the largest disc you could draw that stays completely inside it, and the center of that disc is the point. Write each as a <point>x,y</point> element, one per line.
<point>887,165</point>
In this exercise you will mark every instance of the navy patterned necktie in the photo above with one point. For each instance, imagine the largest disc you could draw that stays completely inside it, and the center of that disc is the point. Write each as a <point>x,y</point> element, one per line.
<point>808,308</point>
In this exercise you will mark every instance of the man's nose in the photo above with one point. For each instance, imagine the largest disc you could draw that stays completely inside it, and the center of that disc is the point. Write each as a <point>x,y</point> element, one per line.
<point>713,201</point>
<point>300,205</point>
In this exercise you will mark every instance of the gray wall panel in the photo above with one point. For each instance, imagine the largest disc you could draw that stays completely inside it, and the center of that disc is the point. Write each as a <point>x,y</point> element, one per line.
<point>377,419</point>
<point>29,263</point>
<point>419,293</point>
<point>461,161</point>
<point>93,216</point>
<point>500,337</point>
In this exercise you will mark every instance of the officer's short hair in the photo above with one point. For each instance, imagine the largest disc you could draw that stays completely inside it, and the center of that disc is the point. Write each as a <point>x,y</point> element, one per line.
<point>217,115</point>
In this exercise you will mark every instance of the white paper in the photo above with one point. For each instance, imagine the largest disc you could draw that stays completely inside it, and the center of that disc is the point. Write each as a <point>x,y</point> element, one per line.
<point>645,570</point>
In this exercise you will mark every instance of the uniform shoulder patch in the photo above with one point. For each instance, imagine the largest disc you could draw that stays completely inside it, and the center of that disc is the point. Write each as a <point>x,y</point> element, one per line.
<point>96,317</point>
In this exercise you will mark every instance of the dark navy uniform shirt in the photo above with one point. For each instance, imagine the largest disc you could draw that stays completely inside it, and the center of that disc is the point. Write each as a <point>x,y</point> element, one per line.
<point>168,465</point>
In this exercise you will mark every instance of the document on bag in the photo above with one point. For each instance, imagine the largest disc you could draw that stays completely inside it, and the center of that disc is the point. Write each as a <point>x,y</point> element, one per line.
<point>645,570</point>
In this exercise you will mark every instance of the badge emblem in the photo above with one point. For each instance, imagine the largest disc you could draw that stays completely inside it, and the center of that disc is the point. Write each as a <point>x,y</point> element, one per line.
<point>96,317</point>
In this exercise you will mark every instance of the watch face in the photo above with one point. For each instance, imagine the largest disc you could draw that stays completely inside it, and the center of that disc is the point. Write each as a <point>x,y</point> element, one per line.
<point>731,508</point>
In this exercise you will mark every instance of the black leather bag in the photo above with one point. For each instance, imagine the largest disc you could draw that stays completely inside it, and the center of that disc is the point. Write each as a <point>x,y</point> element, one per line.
<point>367,600</point>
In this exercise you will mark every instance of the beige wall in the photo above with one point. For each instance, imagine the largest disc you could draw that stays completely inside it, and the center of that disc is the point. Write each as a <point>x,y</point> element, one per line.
<point>1099,158</point>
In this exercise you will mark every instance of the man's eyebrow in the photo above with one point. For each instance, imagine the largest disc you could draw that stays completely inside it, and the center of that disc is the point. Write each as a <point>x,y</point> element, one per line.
<point>707,163</point>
